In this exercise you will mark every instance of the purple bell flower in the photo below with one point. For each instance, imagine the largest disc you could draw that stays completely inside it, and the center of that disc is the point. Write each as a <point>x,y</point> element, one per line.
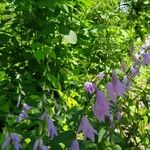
<point>6,142</point>
<point>44,147</point>
<point>89,87</point>
<point>22,116</point>
<point>100,75</point>
<point>115,88</point>
<point>51,129</point>
<point>26,107</point>
<point>87,129</point>
<point>146,58</point>
<point>134,70</point>
<point>101,107</point>
<point>35,147</point>
<point>16,141</point>
<point>75,145</point>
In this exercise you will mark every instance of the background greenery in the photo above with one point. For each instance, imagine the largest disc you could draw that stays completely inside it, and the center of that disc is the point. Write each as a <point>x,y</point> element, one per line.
<point>49,48</point>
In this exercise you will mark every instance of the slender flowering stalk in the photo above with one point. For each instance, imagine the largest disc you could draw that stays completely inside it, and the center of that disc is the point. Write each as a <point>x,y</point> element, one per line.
<point>75,145</point>
<point>87,129</point>
<point>101,107</point>
<point>89,87</point>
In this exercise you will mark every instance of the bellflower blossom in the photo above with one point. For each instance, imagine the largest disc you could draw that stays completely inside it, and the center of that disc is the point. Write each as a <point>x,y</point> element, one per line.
<point>115,88</point>
<point>44,147</point>
<point>6,142</point>
<point>146,58</point>
<point>87,129</point>
<point>23,114</point>
<point>101,107</point>
<point>134,70</point>
<point>118,114</point>
<point>89,87</point>
<point>75,145</point>
<point>112,125</point>
<point>39,143</point>
<point>51,128</point>
<point>100,75</point>
<point>16,141</point>
<point>35,146</point>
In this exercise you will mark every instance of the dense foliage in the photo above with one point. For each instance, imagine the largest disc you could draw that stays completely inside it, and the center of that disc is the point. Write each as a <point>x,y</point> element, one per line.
<point>49,49</point>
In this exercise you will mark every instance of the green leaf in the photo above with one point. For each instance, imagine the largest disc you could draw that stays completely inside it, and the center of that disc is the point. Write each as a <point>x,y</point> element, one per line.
<point>71,38</point>
<point>39,54</point>
<point>4,38</point>
<point>101,134</point>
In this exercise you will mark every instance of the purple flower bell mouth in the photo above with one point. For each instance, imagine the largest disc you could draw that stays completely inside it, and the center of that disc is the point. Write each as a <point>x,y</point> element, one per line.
<point>87,129</point>
<point>89,87</point>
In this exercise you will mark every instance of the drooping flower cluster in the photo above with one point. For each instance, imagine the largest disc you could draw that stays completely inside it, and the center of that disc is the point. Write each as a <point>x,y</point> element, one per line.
<point>14,138</point>
<point>51,128</point>
<point>23,115</point>
<point>39,144</point>
<point>101,107</point>
<point>87,129</point>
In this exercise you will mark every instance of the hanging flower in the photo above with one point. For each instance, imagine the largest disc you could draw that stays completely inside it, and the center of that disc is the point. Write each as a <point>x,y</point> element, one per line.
<point>89,87</point>
<point>39,143</point>
<point>6,142</point>
<point>100,75</point>
<point>115,88</point>
<point>23,115</point>
<point>101,106</point>
<point>75,145</point>
<point>146,58</point>
<point>16,141</point>
<point>35,146</point>
<point>51,129</point>
<point>87,129</point>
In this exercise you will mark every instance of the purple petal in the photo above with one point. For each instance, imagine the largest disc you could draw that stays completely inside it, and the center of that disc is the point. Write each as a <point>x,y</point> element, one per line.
<point>6,142</point>
<point>26,107</point>
<point>51,129</point>
<point>16,141</point>
<point>35,147</point>
<point>89,87</point>
<point>44,147</point>
<point>75,145</point>
<point>87,129</point>
<point>146,58</point>
<point>101,107</point>
<point>111,91</point>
